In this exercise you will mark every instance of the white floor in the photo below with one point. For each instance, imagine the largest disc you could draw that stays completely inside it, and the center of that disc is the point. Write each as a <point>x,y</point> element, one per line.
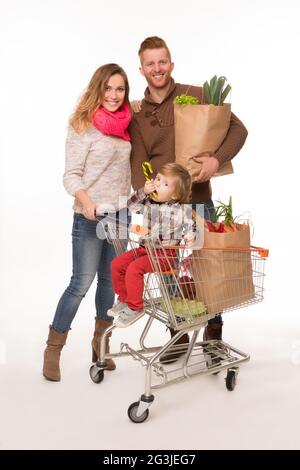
<point>262,412</point>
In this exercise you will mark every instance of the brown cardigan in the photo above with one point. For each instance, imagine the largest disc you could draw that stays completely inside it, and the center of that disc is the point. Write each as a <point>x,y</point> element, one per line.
<point>152,132</point>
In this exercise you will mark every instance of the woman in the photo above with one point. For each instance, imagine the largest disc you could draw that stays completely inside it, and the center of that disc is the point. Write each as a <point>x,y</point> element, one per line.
<point>97,174</point>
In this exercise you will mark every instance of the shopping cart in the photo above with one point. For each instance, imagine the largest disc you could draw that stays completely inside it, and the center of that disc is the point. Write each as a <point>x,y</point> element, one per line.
<point>198,284</point>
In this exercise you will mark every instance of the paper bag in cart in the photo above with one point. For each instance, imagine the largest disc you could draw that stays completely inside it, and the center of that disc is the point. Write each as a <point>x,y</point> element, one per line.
<point>200,129</point>
<point>223,277</point>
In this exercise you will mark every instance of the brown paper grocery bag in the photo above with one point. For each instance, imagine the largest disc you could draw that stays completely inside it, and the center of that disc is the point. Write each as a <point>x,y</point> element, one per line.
<point>200,129</point>
<point>223,278</point>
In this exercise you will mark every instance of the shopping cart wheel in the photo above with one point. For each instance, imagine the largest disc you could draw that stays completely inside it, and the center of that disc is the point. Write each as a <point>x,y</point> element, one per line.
<point>231,379</point>
<point>132,413</point>
<point>96,374</point>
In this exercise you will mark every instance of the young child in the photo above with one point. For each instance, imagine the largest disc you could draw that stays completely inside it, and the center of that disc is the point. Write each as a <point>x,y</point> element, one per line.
<point>169,221</point>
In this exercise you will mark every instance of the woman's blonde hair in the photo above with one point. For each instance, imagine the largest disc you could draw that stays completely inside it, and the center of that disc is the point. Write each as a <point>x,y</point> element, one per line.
<point>184,181</point>
<point>92,98</point>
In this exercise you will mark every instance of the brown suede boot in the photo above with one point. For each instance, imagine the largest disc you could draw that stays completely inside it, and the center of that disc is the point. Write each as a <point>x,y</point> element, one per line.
<point>55,343</point>
<point>213,331</point>
<point>100,327</point>
<point>170,357</point>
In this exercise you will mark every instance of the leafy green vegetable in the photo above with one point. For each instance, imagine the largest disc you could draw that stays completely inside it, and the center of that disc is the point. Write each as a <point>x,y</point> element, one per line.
<point>186,99</point>
<point>213,91</point>
<point>186,308</point>
<point>224,210</point>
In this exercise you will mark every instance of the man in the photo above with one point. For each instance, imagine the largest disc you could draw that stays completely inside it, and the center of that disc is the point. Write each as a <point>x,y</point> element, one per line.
<point>153,140</point>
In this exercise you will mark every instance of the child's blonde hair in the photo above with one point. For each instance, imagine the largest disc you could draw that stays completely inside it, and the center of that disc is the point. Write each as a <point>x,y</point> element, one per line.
<point>184,181</point>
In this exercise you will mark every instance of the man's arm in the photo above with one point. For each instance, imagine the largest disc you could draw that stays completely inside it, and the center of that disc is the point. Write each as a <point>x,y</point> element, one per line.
<point>233,142</point>
<point>138,156</point>
<point>236,135</point>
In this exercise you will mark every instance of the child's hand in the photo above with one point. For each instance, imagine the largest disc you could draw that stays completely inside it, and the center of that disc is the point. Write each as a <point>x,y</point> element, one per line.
<point>149,187</point>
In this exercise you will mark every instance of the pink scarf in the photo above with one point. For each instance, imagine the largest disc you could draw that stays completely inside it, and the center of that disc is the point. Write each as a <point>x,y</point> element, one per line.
<point>113,123</point>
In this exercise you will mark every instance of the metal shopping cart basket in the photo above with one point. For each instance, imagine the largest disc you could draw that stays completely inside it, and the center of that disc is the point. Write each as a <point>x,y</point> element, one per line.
<point>197,285</point>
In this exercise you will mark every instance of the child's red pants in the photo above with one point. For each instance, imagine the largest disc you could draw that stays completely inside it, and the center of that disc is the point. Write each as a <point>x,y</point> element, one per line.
<point>128,272</point>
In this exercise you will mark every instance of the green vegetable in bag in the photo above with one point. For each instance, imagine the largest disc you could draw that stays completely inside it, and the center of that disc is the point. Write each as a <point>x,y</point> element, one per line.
<point>186,308</point>
<point>213,91</point>
<point>225,211</point>
<point>186,99</point>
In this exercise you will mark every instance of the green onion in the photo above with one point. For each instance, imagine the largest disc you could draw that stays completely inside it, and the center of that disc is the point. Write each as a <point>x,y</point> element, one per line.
<point>213,91</point>
<point>224,210</point>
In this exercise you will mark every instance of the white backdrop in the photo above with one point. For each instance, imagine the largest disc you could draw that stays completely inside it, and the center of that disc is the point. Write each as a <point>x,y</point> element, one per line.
<point>49,50</point>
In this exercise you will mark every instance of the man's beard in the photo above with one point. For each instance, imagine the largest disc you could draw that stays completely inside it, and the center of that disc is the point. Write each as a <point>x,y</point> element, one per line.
<point>164,83</point>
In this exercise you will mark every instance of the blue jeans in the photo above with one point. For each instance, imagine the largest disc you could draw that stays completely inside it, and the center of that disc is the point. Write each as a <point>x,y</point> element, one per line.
<point>91,256</point>
<point>209,212</point>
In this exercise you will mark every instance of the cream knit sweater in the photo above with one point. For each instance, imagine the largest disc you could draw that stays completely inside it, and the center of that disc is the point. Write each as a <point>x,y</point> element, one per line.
<point>99,164</point>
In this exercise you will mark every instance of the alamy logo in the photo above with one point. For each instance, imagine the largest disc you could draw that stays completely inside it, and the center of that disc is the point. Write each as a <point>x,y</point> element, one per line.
<point>165,222</point>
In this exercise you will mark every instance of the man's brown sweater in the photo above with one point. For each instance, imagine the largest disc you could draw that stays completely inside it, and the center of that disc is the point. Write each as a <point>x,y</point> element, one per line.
<point>153,139</point>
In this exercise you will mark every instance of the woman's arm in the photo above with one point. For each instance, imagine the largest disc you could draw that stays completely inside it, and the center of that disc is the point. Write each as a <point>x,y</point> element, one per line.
<point>77,149</point>
<point>88,207</point>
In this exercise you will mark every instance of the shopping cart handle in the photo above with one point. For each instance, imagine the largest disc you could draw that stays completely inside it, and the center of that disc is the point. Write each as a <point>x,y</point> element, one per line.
<point>114,218</point>
<point>138,229</point>
<point>263,252</point>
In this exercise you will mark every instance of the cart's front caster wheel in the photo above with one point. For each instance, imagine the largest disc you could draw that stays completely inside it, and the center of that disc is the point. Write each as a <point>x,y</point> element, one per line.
<point>132,413</point>
<point>231,379</point>
<point>96,374</point>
